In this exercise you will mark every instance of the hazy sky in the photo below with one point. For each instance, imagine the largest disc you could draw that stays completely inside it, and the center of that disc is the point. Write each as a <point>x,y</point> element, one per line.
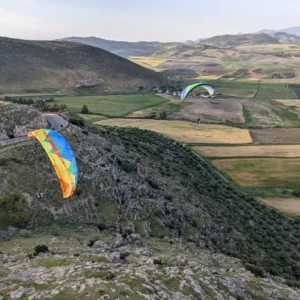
<point>149,20</point>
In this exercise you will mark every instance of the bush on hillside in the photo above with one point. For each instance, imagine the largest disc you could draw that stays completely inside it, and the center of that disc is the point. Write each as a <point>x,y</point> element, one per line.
<point>77,122</point>
<point>40,249</point>
<point>20,219</point>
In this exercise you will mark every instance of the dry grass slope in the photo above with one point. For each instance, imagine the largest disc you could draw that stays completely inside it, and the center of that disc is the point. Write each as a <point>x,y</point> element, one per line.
<point>40,65</point>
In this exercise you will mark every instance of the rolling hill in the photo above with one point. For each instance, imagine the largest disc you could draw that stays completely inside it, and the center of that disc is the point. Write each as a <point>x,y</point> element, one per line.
<point>57,65</point>
<point>228,41</point>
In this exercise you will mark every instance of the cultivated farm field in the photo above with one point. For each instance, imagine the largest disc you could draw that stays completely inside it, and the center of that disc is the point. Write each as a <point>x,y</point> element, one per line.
<point>290,206</point>
<point>210,111</point>
<point>262,172</point>
<point>249,151</point>
<point>187,132</point>
<point>276,135</point>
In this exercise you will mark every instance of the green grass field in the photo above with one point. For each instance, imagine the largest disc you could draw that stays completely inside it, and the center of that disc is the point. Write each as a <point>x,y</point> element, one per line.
<point>274,91</point>
<point>268,113</point>
<point>244,88</point>
<point>171,105</point>
<point>112,105</point>
<point>236,88</point>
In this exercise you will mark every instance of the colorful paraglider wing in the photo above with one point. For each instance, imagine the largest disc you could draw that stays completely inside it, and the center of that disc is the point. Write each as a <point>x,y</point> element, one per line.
<point>62,158</point>
<point>210,89</point>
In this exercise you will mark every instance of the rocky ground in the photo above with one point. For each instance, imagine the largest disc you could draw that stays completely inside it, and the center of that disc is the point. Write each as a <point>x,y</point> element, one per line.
<point>18,120</point>
<point>98,266</point>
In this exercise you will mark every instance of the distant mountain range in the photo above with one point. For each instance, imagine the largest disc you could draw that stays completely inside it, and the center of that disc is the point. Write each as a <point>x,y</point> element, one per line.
<point>121,48</point>
<point>291,30</point>
<point>128,49</point>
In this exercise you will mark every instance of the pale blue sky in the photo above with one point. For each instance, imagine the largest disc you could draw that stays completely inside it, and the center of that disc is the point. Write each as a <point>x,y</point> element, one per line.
<point>135,20</point>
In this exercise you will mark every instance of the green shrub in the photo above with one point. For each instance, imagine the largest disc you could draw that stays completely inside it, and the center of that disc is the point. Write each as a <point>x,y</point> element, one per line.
<point>128,166</point>
<point>20,219</point>
<point>25,233</point>
<point>153,183</point>
<point>77,122</point>
<point>90,243</point>
<point>162,115</point>
<point>40,249</point>
<point>123,255</point>
<point>293,283</point>
<point>257,271</point>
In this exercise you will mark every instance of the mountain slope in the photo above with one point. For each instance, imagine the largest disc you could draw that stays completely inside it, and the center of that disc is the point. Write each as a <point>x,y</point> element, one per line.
<point>121,48</point>
<point>138,181</point>
<point>43,65</point>
<point>228,40</point>
<point>291,30</point>
<point>282,37</point>
<point>285,38</point>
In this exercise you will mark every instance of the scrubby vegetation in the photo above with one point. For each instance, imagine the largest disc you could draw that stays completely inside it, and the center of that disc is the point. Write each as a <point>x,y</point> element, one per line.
<point>16,207</point>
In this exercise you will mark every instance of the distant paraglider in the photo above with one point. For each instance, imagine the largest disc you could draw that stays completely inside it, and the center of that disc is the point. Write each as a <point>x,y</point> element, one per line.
<point>62,157</point>
<point>209,88</point>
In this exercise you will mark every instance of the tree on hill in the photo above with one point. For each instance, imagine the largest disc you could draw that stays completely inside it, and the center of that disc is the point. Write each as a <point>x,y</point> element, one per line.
<point>84,109</point>
<point>162,115</point>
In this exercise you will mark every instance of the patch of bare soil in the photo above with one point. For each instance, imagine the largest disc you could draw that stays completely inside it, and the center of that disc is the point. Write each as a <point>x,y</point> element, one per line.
<point>211,111</point>
<point>276,135</point>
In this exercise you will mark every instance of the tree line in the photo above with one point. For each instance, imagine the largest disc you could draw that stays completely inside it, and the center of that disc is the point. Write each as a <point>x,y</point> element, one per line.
<point>41,104</point>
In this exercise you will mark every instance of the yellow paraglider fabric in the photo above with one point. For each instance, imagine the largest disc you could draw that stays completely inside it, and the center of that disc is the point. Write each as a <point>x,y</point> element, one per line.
<point>62,158</point>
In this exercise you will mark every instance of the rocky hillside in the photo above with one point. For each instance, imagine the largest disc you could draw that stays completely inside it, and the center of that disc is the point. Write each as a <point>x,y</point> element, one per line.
<point>17,121</point>
<point>138,181</point>
<point>92,265</point>
<point>55,65</point>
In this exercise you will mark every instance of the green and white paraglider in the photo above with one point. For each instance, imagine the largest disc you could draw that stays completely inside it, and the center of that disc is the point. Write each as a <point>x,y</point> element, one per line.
<point>209,88</point>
